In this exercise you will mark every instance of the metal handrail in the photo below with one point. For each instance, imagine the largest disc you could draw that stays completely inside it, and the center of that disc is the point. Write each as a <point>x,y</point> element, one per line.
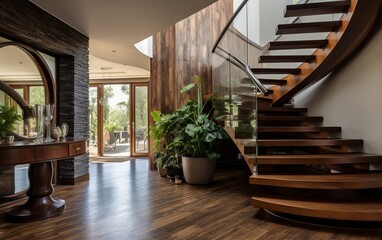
<point>238,10</point>
<point>243,66</point>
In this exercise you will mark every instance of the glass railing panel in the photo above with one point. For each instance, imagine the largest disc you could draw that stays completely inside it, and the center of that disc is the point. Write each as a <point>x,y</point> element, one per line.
<point>234,99</point>
<point>252,27</point>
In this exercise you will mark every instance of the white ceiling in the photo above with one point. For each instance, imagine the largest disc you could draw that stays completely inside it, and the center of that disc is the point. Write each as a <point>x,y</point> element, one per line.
<point>114,26</point>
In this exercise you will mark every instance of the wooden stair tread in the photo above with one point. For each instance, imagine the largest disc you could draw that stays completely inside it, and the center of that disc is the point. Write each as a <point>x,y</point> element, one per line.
<point>300,142</point>
<point>246,81</point>
<point>273,81</point>
<point>316,8</point>
<point>290,118</point>
<point>295,129</point>
<point>276,70</point>
<point>238,117</point>
<point>286,58</point>
<point>320,181</point>
<point>263,81</point>
<point>248,102</point>
<point>281,110</point>
<point>356,210</point>
<point>323,159</point>
<point>286,45</point>
<point>310,27</point>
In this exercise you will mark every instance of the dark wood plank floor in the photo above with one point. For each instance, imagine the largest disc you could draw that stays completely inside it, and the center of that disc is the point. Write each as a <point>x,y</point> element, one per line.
<point>126,201</point>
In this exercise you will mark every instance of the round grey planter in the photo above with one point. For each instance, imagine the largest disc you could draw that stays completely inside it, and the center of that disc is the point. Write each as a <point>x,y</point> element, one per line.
<point>198,171</point>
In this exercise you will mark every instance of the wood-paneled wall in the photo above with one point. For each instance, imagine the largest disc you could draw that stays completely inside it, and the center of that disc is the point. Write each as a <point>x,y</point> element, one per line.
<point>180,52</point>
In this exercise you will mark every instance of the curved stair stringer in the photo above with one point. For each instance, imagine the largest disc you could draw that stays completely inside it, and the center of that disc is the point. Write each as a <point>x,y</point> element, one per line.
<point>341,44</point>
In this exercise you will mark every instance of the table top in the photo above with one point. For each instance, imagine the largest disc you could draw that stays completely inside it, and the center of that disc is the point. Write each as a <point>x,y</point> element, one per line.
<point>23,152</point>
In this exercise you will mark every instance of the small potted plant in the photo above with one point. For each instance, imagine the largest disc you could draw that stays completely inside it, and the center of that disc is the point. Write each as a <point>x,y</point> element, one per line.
<point>167,151</point>
<point>197,139</point>
<point>8,118</point>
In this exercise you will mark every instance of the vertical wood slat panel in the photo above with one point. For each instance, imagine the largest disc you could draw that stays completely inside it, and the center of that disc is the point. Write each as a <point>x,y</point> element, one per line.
<point>180,52</point>
<point>161,85</point>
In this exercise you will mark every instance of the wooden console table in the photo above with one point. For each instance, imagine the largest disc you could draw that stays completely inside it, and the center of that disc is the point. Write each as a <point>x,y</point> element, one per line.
<point>40,203</point>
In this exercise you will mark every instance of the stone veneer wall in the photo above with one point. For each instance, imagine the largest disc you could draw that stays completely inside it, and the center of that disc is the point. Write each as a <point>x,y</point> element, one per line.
<point>22,21</point>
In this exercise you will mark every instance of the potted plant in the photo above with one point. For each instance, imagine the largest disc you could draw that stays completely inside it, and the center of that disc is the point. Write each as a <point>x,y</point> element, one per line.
<point>8,118</point>
<point>197,139</point>
<point>164,131</point>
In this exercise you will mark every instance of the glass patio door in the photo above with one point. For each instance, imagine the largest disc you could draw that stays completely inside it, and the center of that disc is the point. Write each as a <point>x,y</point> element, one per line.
<point>139,116</point>
<point>116,120</point>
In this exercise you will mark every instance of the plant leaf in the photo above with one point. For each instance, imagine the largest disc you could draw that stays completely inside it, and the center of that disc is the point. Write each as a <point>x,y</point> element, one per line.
<point>188,87</point>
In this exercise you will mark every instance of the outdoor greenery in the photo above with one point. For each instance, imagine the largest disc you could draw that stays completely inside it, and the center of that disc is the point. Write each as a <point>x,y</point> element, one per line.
<point>8,119</point>
<point>116,115</point>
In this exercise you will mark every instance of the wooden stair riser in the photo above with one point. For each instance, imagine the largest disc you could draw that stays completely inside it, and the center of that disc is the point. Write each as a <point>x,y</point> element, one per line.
<point>315,27</point>
<point>318,159</point>
<point>291,135</point>
<point>321,181</point>
<point>286,58</point>
<point>317,8</point>
<point>293,71</point>
<point>302,44</point>
<point>241,133</point>
<point>246,81</point>
<point>282,111</point>
<point>289,121</point>
<point>307,149</point>
<point>340,210</point>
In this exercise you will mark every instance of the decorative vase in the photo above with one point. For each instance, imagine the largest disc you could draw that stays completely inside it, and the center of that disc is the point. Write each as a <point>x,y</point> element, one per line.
<point>39,123</point>
<point>64,130</point>
<point>198,171</point>
<point>56,133</point>
<point>9,139</point>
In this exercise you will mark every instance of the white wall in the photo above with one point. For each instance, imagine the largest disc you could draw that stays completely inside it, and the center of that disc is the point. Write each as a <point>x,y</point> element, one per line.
<point>271,14</point>
<point>263,17</point>
<point>351,97</point>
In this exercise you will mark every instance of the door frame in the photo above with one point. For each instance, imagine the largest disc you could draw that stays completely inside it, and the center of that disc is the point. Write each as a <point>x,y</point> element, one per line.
<point>100,121</point>
<point>133,86</point>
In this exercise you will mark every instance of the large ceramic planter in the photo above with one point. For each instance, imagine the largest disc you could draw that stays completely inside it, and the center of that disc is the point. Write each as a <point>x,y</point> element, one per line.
<point>198,171</point>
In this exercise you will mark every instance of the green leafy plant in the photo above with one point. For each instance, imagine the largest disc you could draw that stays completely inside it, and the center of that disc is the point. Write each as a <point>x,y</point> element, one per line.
<point>165,130</point>
<point>201,132</point>
<point>8,118</point>
<point>186,131</point>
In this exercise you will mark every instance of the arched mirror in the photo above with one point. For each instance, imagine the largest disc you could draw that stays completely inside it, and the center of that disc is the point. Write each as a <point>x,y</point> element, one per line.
<point>25,80</point>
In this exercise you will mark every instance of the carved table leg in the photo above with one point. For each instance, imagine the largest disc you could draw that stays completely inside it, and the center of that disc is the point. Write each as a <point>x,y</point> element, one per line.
<point>40,204</point>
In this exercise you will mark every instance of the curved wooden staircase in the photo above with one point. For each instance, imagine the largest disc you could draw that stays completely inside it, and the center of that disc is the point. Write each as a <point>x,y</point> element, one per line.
<point>302,167</point>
